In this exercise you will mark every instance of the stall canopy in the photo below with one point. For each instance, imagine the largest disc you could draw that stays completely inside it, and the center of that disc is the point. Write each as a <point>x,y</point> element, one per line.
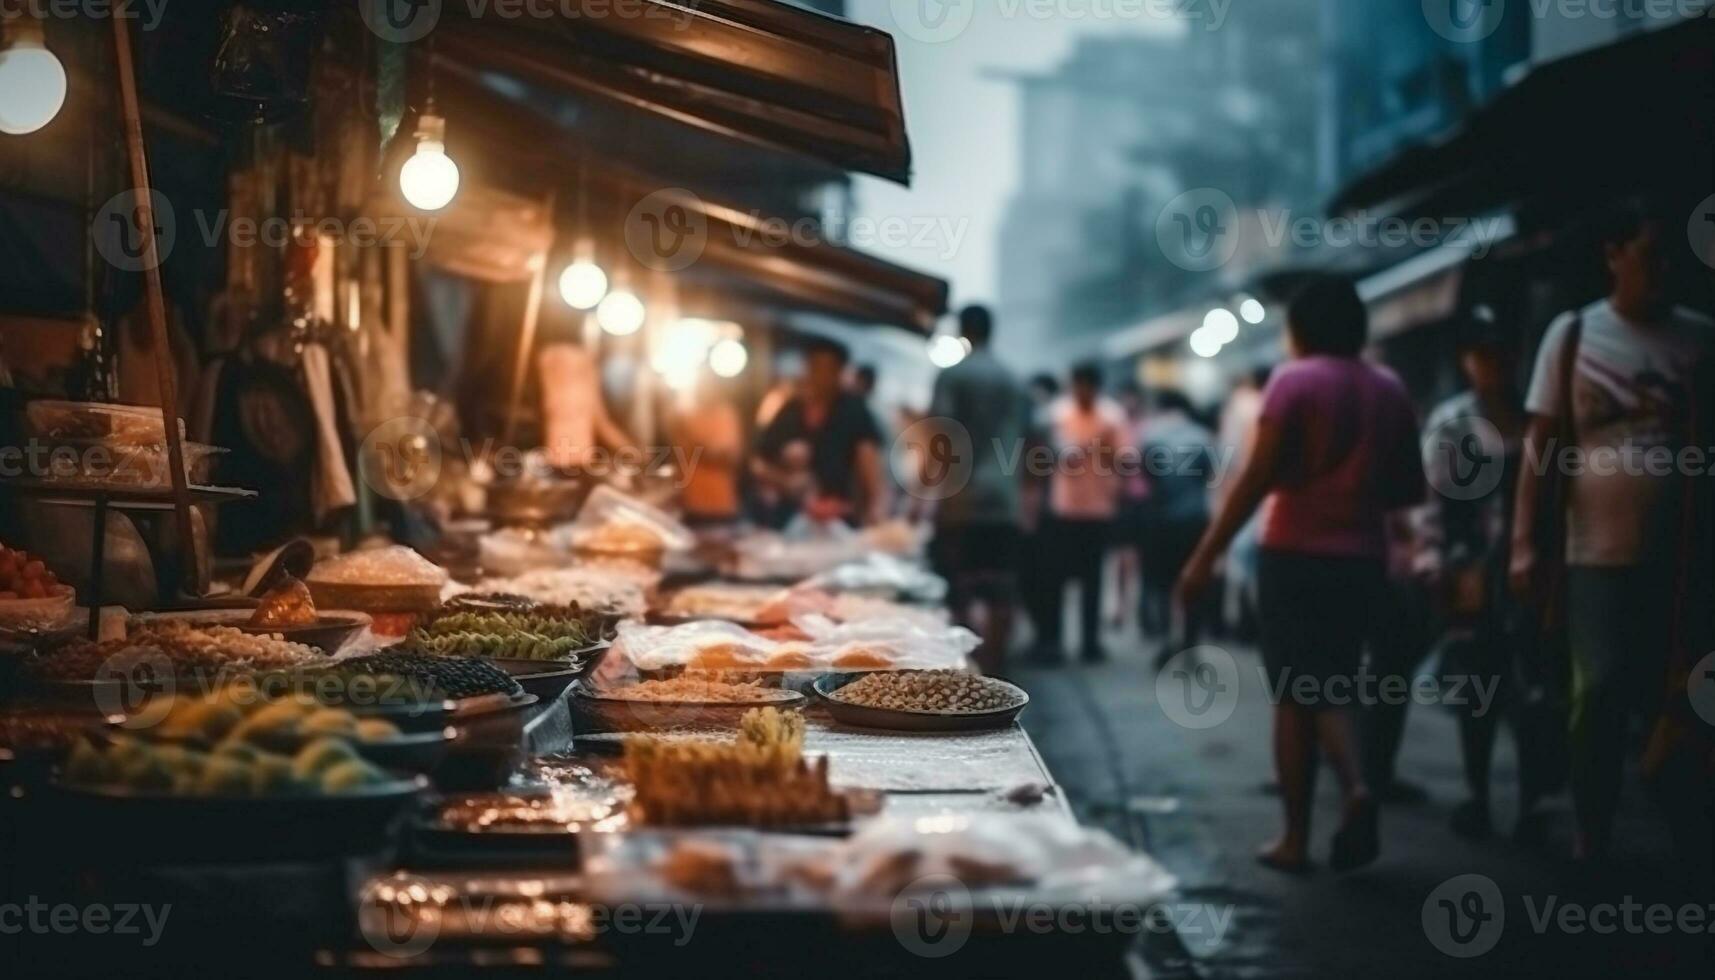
<point>1569,132</point>
<point>754,253</point>
<point>776,77</point>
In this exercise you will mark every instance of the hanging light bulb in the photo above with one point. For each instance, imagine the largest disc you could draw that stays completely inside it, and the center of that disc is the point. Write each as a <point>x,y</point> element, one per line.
<point>583,284</point>
<point>430,178</point>
<point>621,313</point>
<point>728,358</point>
<point>947,351</point>
<point>32,80</point>
<point>1222,325</point>
<point>1205,342</point>
<point>1253,311</point>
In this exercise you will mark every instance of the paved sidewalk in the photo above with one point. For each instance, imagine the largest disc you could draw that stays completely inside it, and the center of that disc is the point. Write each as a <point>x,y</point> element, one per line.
<point>1199,801</point>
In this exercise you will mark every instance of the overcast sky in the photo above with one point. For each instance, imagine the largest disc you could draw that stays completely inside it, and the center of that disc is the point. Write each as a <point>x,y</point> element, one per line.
<point>963,126</point>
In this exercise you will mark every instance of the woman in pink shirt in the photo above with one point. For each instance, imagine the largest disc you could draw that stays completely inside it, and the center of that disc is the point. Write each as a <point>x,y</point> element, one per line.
<point>1336,450</point>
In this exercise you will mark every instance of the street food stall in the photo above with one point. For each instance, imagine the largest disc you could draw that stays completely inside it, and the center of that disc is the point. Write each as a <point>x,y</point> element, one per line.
<point>385,702</point>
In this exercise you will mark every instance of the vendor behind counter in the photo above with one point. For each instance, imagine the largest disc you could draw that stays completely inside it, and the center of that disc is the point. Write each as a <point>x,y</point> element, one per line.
<point>822,455</point>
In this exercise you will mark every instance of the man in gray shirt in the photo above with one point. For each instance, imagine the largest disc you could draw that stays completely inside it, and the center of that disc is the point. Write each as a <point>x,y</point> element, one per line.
<point>980,412</point>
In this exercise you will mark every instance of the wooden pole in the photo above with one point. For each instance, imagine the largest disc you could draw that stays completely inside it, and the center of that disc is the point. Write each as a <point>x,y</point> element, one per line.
<point>155,304</point>
<point>527,333</point>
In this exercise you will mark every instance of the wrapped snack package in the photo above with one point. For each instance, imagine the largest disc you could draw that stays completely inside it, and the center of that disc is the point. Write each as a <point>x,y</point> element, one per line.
<point>887,644</point>
<point>711,645</point>
<point>883,575</point>
<point>722,646</point>
<point>611,522</point>
<point>1044,852</point>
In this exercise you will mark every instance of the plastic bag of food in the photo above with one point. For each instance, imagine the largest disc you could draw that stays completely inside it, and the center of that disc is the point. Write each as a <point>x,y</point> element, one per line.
<point>883,575</point>
<point>1039,851</point>
<point>708,645</point>
<point>613,523</point>
<point>887,644</point>
<point>784,558</point>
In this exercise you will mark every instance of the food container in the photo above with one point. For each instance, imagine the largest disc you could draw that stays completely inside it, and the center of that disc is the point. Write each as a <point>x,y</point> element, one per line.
<point>128,424</point>
<point>39,615</point>
<point>102,462</point>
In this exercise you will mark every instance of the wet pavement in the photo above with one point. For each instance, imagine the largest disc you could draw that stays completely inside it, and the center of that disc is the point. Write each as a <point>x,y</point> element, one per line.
<point>1434,905</point>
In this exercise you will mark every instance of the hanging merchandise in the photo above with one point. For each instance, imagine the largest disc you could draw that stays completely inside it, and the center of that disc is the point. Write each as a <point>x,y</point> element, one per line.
<point>262,65</point>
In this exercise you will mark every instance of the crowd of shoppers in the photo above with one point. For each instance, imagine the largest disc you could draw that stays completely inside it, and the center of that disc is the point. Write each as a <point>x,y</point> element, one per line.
<point>1573,593</point>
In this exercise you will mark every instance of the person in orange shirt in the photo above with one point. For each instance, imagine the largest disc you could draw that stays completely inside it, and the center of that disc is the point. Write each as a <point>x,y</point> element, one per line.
<point>709,438</point>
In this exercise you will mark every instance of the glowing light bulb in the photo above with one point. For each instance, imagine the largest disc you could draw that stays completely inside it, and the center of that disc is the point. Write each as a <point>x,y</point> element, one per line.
<point>1222,325</point>
<point>1205,342</point>
<point>1253,311</point>
<point>32,81</point>
<point>430,179</point>
<point>946,351</point>
<point>728,358</point>
<point>583,285</point>
<point>621,313</point>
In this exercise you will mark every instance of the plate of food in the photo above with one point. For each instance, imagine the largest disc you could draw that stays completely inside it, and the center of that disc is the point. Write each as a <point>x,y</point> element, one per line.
<point>414,691</point>
<point>289,612</point>
<point>687,700</point>
<point>541,824</point>
<point>155,659</point>
<point>394,585</point>
<point>246,713</point>
<point>235,802</point>
<point>760,779</point>
<point>922,700</point>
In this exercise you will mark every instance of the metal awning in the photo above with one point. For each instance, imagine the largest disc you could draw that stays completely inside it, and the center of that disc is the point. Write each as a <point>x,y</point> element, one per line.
<point>758,72</point>
<point>1633,117</point>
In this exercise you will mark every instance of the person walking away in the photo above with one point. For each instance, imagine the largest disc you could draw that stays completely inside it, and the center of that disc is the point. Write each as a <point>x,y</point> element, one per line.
<point>1179,462</point>
<point>1036,575</point>
<point>1133,528</point>
<point>976,546</point>
<point>1473,454</point>
<point>832,433</point>
<point>1336,451</point>
<point>1083,500</point>
<point>709,437</point>
<point>1613,391</point>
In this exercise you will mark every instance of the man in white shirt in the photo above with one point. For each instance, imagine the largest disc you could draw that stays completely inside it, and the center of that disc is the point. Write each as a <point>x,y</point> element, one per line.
<point>1083,500</point>
<point>1634,398</point>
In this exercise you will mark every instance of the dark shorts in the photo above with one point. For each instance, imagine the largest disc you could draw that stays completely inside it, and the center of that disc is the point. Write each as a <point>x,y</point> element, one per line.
<point>1315,614</point>
<point>978,560</point>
